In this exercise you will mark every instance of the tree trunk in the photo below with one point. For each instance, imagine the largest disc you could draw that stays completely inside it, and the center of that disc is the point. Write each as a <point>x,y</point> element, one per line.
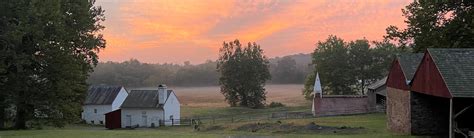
<point>20,118</point>
<point>2,112</point>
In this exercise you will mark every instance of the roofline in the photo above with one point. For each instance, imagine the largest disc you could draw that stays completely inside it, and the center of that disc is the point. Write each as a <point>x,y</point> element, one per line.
<point>172,91</point>
<point>427,52</point>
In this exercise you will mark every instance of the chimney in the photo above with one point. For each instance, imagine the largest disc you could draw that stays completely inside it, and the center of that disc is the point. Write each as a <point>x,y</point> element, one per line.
<point>162,90</point>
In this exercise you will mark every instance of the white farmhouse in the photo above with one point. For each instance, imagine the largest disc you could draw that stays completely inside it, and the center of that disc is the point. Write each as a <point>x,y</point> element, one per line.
<point>100,100</point>
<point>150,108</point>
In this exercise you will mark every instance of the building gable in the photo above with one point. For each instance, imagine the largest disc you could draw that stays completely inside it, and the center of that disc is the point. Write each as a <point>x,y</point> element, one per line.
<point>428,79</point>
<point>396,77</point>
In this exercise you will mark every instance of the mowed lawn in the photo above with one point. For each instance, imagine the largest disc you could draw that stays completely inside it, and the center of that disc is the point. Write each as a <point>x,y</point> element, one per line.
<point>207,101</point>
<point>373,126</point>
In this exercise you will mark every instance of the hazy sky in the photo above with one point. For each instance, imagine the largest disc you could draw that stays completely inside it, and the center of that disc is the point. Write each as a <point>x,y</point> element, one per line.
<point>174,31</point>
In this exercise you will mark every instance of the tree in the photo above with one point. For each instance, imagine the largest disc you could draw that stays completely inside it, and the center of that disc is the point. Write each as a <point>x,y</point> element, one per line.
<point>361,61</point>
<point>243,73</point>
<point>436,24</point>
<point>331,60</point>
<point>285,71</point>
<point>49,48</point>
<point>348,68</point>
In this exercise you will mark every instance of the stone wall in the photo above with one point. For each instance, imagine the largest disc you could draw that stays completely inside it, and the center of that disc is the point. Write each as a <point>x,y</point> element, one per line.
<point>398,110</point>
<point>429,115</point>
<point>331,105</point>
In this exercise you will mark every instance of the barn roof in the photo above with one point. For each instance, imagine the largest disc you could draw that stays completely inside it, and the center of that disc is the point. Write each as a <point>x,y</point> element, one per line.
<point>143,99</point>
<point>409,63</point>
<point>456,66</point>
<point>377,84</point>
<point>101,94</point>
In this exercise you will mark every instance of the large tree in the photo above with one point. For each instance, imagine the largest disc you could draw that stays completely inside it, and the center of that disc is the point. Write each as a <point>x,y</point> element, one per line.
<point>48,48</point>
<point>243,73</point>
<point>436,24</point>
<point>348,68</point>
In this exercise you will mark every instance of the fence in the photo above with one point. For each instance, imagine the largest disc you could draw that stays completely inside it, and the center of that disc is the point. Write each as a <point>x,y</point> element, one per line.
<point>245,118</point>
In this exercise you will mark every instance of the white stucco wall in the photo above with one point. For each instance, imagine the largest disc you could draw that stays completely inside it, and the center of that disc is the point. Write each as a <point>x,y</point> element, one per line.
<point>121,96</point>
<point>89,115</point>
<point>172,108</point>
<point>137,115</point>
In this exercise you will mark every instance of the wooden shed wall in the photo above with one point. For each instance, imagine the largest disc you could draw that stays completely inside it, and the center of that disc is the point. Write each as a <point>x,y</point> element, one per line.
<point>428,79</point>
<point>113,119</point>
<point>396,78</point>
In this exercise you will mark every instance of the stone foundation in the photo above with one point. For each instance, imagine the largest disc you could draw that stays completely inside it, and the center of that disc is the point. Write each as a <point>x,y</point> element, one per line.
<point>398,110</point>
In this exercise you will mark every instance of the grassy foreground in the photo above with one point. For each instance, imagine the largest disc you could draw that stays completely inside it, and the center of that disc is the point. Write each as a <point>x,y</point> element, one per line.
<point>373,126</point>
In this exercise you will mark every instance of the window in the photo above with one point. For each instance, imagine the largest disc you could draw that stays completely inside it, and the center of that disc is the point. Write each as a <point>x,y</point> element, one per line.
<point>101,122</point>
<point>144,112</point>
<point>92,121</point>
<point>95,111</point>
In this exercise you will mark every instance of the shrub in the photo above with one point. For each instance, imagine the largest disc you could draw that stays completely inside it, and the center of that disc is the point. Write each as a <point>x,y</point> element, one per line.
<point>275,104</point>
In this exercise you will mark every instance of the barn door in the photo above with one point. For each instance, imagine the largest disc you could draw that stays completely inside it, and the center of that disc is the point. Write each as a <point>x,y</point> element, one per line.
<point>144,121</point>
<point>128,121</point>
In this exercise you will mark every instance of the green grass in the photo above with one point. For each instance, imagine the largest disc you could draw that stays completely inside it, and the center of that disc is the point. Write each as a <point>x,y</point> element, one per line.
<point>226,111</point>
<point>374,126</point>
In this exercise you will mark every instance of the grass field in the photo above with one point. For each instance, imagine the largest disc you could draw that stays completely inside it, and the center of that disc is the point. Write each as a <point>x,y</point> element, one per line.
<point>207,101</point>
<point>373,124</point>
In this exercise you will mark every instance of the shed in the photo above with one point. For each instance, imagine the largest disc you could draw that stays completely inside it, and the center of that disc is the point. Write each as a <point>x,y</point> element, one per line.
<point>398,92</point>
<point>113,119</point>
<point>379,89</point>
<point>443,93</point>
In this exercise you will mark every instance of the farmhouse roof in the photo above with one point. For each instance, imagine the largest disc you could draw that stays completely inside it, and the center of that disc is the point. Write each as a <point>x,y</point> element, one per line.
<point>409,63</point>
<point>144,99</point>
<point>456,66</point>
<point>101,94</point>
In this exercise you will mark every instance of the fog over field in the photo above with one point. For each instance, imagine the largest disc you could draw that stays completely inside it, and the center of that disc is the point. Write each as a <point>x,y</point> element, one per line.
<point>288,94</point>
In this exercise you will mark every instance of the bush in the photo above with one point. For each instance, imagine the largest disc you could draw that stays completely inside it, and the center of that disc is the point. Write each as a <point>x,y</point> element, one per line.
<point>275,104</point>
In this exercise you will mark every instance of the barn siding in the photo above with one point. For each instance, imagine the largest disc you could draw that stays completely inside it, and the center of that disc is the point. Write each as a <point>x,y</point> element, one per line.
<point>429,115</point>
<point>396,77</point>
<point>428,79</point>
<point>398,110</point>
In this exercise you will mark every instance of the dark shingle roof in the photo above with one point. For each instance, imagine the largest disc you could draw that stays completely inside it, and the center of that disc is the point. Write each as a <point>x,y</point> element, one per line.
<point>143,99</point>
<point>377,84</point>
<point>457,69</point>
<point>101,95</point>
<point>409,63</point>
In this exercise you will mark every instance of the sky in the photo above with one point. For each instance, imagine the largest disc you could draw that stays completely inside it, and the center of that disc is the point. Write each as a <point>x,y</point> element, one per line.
<point>175,31</point>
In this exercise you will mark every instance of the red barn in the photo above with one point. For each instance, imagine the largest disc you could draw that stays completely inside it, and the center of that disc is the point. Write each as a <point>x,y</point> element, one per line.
<point>113,119</point>
<point>443,93</point>
<point>398,92</point>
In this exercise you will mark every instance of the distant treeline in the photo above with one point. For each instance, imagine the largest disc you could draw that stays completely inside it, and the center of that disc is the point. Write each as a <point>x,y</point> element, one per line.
<point>286,70</point>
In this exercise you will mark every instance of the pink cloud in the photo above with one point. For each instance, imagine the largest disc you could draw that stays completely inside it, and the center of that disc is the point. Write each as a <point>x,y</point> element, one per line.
<point>193,30</point>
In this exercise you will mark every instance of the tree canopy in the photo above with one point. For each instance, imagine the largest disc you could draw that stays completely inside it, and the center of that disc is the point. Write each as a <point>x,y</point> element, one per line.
<point>436,24</point>
<point>48,47</point>
<point>349,67</point>
<point>243,73</point>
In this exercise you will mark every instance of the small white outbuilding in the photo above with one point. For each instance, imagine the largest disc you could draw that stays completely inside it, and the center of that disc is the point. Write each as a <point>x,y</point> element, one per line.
<point>150,108</point>
<point>102,99</point>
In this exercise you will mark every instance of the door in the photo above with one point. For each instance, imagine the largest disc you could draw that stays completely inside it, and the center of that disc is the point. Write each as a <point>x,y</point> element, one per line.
<point>128,121</point>
<point>144,121</point>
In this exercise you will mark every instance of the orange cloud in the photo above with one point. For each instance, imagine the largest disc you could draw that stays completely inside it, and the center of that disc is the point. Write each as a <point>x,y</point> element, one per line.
<point>193,30</point>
